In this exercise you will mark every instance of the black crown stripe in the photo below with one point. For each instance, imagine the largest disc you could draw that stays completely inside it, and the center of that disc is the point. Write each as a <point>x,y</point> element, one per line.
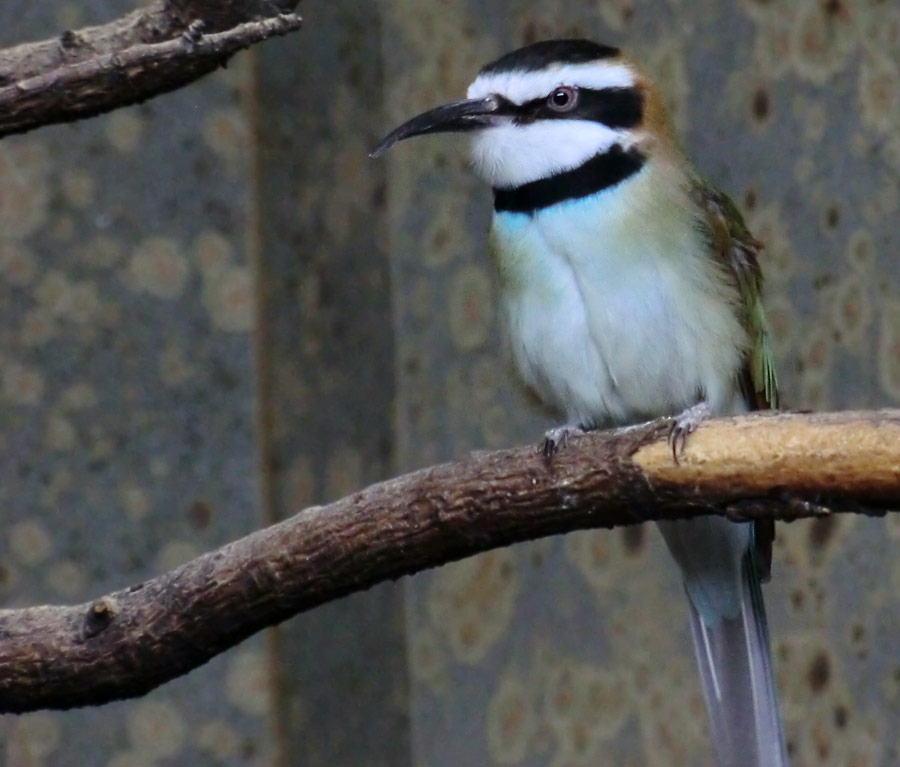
<point>601,172</point>
<point>541,55</point>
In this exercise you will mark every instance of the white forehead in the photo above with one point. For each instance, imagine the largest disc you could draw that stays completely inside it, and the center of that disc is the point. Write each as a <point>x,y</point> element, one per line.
<point>519,86</point>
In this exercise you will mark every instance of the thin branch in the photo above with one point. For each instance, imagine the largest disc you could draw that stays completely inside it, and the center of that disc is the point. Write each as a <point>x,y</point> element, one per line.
<point>124,644</point>
<point>148,52</point>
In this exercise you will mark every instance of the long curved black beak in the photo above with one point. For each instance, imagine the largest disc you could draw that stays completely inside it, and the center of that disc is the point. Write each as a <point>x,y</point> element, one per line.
<point>467,115</point>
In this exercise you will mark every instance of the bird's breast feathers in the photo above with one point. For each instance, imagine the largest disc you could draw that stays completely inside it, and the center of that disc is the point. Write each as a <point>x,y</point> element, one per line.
<point>614,309</point>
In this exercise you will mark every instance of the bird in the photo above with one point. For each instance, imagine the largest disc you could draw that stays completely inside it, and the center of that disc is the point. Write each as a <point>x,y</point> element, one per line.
<point>629,289</point>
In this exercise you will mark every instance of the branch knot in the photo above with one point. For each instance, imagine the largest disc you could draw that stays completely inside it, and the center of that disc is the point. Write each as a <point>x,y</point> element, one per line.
<point>98,618</point>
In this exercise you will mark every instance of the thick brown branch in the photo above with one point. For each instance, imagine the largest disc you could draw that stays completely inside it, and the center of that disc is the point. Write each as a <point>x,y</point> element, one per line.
<point>126,643</point>
<point>155,50</point>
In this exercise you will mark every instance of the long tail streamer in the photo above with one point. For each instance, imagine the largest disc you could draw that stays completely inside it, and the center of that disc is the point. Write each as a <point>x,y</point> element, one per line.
<point>731,641</point>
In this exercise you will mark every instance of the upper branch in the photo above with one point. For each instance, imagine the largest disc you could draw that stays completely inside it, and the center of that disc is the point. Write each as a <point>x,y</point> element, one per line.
<point>128,642</point>
<point>154,50</point>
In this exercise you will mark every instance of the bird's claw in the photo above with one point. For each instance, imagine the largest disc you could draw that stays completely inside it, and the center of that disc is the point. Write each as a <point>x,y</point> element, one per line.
<point>684,424</point>
<point>556,438</point>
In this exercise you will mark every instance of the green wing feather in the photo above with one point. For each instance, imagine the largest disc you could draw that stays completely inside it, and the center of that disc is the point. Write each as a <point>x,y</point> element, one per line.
<point>737,251</point>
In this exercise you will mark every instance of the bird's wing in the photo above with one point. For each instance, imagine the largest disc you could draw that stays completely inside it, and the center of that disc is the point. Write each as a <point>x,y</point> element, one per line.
<point>737,251</point>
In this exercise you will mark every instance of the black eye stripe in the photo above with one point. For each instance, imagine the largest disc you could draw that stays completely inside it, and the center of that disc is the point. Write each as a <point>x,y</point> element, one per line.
<point>613,107</point>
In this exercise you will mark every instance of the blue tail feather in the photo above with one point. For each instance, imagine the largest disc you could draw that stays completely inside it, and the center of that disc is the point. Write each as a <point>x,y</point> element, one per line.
<point>731,642</point>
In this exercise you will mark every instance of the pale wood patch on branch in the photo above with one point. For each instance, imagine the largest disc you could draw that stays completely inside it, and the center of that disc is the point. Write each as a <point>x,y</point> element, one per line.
<point>157,49</point>
<point>124,644</point>
<point>857,459</point>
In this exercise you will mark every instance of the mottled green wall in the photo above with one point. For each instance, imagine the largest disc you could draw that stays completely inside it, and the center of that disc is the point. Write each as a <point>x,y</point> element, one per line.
<point>127,389</point>
<point>216,309</point>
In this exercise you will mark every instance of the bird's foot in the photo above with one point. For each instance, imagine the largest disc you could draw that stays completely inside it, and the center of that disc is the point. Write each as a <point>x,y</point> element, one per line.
<point>684,424</point>
<point>557,437</point>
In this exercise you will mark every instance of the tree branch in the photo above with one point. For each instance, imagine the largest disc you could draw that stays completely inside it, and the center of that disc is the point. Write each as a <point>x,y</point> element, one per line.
<point>160,48</point>
<point>124,644</point>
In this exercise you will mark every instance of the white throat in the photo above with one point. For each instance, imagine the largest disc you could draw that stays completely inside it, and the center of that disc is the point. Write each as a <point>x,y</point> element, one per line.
<point>511,155</point>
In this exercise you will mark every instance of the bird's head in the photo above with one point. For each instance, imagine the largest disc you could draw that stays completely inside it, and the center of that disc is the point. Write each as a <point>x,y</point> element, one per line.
<point>549,108</point>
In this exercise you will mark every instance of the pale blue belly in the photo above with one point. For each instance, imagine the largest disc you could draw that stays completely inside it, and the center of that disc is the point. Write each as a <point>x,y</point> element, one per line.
<point>609,333</point>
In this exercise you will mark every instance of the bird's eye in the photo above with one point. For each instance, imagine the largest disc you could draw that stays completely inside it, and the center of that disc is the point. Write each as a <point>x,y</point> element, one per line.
<point>563,99</point>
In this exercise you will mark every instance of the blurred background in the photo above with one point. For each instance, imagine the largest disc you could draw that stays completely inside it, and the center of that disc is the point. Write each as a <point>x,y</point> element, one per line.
<point>217,310</point>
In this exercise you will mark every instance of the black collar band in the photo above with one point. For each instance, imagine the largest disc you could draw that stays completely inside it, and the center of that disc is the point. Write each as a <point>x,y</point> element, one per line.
<point>600,172</point>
